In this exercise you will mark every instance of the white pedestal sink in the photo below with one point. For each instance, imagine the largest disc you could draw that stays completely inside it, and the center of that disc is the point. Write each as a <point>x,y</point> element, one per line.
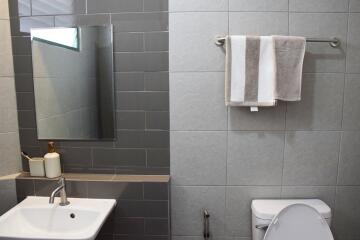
<point>34,219</point>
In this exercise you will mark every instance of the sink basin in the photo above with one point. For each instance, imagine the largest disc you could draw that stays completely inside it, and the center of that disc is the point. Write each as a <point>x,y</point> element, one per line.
<point>34,218</point>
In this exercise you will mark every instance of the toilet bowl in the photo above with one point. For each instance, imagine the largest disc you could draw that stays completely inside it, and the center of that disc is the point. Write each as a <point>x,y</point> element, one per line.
<point>295,219</point>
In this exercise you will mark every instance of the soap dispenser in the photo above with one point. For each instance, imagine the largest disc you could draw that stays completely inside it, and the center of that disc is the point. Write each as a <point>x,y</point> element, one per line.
<point>52,162</point>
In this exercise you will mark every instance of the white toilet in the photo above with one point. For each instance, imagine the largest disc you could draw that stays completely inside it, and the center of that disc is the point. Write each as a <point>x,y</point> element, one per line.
<point>291,219</point>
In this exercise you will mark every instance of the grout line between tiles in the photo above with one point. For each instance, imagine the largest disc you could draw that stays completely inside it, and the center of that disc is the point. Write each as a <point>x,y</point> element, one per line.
<point>339,159</point>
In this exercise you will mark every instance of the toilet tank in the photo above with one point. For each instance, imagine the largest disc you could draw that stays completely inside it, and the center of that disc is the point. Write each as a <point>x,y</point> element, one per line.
<point>264,210</point>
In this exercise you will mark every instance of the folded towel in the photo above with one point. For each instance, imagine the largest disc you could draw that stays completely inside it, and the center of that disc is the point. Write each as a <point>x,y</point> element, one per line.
<point>290,53</point>
<point>250,71</point>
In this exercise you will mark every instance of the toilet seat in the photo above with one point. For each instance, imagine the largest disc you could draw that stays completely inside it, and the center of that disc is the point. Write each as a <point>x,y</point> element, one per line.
<point>298,222</point>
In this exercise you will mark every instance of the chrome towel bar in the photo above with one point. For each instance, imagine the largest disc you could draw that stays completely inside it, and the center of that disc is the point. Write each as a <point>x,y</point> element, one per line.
<point>334,42</point>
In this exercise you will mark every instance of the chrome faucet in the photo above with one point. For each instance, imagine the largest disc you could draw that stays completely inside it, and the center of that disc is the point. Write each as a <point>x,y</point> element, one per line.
<point>61,188</point>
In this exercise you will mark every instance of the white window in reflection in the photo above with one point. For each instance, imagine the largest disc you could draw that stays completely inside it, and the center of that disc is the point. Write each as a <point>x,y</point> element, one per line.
<point>62,37</point>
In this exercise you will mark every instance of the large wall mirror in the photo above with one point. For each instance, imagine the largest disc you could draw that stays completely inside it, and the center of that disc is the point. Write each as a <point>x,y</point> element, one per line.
<point>73,82</point>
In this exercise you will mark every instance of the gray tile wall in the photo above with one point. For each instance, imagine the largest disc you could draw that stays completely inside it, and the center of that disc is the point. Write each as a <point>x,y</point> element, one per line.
<point>222,158</point>
<point>8,194</point>
<point>141,79</point>
<point>10,161</point>
<point>9,133</point>
<point>142,210</point>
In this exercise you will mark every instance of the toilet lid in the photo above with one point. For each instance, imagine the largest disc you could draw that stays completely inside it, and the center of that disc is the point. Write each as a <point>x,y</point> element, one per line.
<point>298,222</point>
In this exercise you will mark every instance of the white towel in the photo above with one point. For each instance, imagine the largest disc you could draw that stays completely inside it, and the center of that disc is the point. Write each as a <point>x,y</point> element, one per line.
<point>250,71</point>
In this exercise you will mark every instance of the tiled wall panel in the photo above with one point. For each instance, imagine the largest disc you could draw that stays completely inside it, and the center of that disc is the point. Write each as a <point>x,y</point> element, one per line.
<point>10,162</point>
<point>141,80</point>
<point>306,149</point>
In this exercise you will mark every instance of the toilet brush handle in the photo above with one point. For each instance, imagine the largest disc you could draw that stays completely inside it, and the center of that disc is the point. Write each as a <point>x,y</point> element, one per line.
<point>206,225</point>
<point>262,226</point>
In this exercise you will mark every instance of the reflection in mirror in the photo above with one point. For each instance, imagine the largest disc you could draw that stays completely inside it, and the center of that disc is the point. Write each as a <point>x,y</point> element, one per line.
<point>73,82</point>
<point>63,37</point>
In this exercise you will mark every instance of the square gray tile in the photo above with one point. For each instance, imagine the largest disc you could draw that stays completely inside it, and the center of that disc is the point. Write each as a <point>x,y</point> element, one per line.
<point>85,144</point>
<point>77,189</point>
<point>194,96</point>
<point>268,118</point>
<point>258,23</point>
<point>311,158</point>
<point>28,137</point>
<point>156,41</point>
<point>25,101</point>
<point>258,5</point>
<point>44,187</point>
<point>24,83</point>
<point>156,226</point>
<point>7,93</point>
<point>201,53</point>
<point>138,209</point>
<point>347,213</point>
<point>157,120</point>
<point>142,139</point>
<point>158,157</point>
<point>147,101</point>
<point>324,193</point>
<point>6,60</point>
<point>8,193</point>
<point>26,119</point>
<point>140,22</point>
<point>111,6</point>
<point>129,81</point>
<point>320,57</point>
<point>109,158</point>
<point>188,204</point>
<point>157,81</point>
<point>198,5</point>
<point>156,5</point>
<point>351,114</point>
<point>238,207</point>
<point>128,42</point>
<point>86,20</point>
<point>116,190</point>
<point>130,120</point>
<point>141,61</point>
<point>349,164</point>
<point>21,45</point>
<point>44,7</point>
<point>25,187</point>
<point>319,6</point>
<point>75,157</point>
<point>198,158</point>
<point>8,120</point>
<point>320,107</point>
<point>22,64</point>
<point>354,6</point>
<point>129,226</point>
<point>4,11</point>
<point>353,53</point>
<point>156,191</point>
<point>255,158</point>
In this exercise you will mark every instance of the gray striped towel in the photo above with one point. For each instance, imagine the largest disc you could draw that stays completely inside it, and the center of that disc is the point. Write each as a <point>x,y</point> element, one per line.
<point>256,76</point>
